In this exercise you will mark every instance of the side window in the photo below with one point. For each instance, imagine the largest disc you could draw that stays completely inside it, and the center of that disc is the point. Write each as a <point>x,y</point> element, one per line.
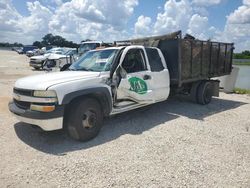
<point>134,61</point>
<point>154,60</point>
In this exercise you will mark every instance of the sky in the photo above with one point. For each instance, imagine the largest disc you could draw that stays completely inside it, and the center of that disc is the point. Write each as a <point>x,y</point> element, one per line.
<point>108,20</point>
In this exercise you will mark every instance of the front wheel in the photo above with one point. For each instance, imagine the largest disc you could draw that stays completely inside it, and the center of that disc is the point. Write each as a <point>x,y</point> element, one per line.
<point>85,119</point>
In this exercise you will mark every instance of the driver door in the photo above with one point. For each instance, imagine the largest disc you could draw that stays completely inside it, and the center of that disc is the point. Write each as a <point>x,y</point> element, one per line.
<point>135,80</point>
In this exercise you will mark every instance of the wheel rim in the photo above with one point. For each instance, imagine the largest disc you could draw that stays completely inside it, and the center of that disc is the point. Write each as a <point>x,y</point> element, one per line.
<point>89,119</point>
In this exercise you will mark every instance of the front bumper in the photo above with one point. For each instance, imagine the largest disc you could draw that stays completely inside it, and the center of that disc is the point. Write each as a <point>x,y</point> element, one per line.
<point>48,121</point>
<point>36,64</point>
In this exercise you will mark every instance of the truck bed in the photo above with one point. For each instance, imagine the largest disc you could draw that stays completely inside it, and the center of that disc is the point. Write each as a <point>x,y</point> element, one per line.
<point>190,60</point>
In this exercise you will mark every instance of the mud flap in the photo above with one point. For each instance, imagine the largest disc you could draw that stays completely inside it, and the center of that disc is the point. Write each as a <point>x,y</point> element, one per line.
<point>216,87</point>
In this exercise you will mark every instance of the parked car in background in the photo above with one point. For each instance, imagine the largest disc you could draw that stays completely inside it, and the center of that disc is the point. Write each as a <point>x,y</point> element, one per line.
<point>35,52</point>
<point>27,48</point>
<point>16,48</point>
<point>37,61</point>
<point>19,50</point>
<point>57,61</point>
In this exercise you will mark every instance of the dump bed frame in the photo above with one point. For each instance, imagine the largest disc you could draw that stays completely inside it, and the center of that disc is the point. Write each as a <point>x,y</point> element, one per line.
<point>189,59</point>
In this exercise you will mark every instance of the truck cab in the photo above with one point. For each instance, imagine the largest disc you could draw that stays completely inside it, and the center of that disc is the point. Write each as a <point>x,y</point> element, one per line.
<point>88,45</point>
<point>100,83</point>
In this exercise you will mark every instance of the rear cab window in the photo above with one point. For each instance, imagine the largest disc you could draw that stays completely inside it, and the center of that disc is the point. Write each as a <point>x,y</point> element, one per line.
<point>154,59</point>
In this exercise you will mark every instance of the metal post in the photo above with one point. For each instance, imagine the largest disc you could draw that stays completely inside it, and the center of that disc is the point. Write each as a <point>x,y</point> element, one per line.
<point>191,60</point>
<point>201,58</point>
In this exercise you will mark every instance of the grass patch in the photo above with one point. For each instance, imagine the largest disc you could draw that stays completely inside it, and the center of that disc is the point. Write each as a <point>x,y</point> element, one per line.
<point>241,63</point>
<point>241,91</point>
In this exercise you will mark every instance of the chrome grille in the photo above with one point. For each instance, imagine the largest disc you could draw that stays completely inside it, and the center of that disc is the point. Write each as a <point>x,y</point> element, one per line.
<point>23,92</point>
<point>22,104</point>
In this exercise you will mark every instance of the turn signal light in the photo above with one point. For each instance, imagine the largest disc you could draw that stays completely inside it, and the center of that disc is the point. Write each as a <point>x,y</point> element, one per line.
<point>41,108</point>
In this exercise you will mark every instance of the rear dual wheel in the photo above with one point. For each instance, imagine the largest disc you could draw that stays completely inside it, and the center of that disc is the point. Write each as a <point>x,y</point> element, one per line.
<point>202,92</point>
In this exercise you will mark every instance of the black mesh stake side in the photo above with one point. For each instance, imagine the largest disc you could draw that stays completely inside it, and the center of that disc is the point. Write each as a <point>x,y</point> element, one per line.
<point>191,59</point>
<point>218,60</point>
<point>201,59</point>
<point>210,59</point>
<point>231,56</point>
<point>179,61</point>
<point>225,59</point>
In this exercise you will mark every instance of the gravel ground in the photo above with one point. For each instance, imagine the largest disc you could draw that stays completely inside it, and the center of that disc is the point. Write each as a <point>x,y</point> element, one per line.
<point>171,144</point>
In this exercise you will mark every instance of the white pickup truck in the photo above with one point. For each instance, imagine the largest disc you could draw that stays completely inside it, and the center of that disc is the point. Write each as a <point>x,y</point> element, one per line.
<point>101,83</point>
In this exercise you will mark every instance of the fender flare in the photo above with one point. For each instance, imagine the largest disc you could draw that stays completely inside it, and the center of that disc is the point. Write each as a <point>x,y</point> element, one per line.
<point>102,94</point>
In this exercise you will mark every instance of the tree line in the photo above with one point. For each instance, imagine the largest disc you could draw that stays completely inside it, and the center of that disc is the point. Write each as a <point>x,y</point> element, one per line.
<point>6,44</point>
<point>243,55</point>
<point>47,40</point>
<point>54,40</point>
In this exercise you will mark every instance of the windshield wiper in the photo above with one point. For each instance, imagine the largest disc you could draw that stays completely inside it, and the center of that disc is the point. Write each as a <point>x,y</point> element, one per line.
<point>82,68</point>
<point>85,69</point>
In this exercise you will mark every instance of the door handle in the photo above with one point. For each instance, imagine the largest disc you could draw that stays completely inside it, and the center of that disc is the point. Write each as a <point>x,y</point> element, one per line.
<point>146,77</point>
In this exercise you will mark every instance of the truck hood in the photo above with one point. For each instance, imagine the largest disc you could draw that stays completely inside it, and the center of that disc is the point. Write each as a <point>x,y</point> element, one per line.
<point>39,57</point>
<point>56,56</point>
<point>43,81</point>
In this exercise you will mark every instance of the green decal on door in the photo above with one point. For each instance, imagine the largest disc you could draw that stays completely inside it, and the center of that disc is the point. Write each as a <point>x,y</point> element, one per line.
<point>138,85</point>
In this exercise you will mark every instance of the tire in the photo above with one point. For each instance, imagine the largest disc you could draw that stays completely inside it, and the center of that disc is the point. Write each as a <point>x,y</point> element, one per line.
<point>37,68</point>
<point>204,93</point>
<point>194,91</point>
<point>85,119</point>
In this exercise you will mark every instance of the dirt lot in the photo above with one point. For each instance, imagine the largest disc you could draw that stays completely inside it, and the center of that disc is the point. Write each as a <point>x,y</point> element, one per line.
<point>171,144</point>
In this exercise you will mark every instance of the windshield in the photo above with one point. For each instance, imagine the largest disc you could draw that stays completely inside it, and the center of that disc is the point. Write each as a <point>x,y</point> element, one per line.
<point>70,52</point>
<point>55,51</point>
<point>88,46</point>
<point>97,61</point>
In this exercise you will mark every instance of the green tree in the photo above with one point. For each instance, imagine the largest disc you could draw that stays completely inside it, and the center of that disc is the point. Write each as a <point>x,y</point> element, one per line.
<point>51,40</point>
<point>38,44</point>
<point>246,53</point>
<point>47,39</point>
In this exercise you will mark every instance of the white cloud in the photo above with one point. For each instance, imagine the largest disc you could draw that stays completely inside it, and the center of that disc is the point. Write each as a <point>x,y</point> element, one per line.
<point>104,11</point>
<point>143,25</point>
<point>8,13</point>
<point>38,19</point>
<point>201,11</point>
<point>237,27</point>
<point>75,20</point>
<point>246,2</point>
<point>58,2</point>
<point>182,15</point>
<point>23,29</point>
<point>176,16</point>
<point>87,19</point>
<point>198,26</point>
<point>108,20</point>
<point>192,17</point>
<point>206,2</point>
<point>241,15</point>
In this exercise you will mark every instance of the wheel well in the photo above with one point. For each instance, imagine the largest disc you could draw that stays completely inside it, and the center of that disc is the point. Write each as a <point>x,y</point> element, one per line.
<point>99,97</point>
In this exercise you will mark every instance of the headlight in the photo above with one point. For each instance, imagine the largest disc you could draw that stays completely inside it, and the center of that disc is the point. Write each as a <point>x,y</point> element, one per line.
<point>47,94</point>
